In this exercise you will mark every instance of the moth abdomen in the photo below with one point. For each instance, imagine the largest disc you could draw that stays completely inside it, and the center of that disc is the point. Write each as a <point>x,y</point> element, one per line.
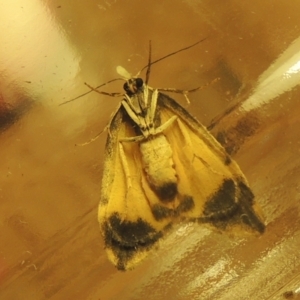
<point>157,159</point>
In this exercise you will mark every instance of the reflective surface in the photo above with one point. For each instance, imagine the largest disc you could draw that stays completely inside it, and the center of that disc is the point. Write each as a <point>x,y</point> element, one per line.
<point>50,245</point>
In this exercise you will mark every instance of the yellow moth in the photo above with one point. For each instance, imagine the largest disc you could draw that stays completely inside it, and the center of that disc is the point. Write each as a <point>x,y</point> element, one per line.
<point>163,166</point>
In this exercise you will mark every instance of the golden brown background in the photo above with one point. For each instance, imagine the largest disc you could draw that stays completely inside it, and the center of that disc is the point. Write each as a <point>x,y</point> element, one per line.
<point>50,245</point>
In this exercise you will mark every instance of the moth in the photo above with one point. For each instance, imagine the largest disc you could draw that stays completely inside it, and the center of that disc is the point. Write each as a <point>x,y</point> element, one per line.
<point>163,166</point>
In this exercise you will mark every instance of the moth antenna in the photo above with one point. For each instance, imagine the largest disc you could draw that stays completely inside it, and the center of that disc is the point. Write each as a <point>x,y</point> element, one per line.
<point>149,63</point>
<point>93,139</point>
<point>173,53</point>
<point>104,93</point>
<point>147,74</point>
<point>96,90</point>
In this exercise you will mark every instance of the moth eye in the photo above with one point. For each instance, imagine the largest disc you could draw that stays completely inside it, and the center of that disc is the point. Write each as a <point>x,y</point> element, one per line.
<point>139,82</point>
<point>126,87</point>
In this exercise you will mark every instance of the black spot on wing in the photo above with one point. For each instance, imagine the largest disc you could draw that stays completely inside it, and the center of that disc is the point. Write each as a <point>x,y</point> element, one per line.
<point>167,192</point>
<point>245,193</point>
<point>232,204</point>
<point>222,205</point>
<point>130,233</point>
<point>161,212</point>
<point>126,239</point>
<point>227,160</point>
<point>186,204</point>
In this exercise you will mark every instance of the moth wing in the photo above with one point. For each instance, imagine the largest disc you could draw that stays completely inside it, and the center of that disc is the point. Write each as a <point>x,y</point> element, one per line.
<point>207,174</point>
<point>126,221</point>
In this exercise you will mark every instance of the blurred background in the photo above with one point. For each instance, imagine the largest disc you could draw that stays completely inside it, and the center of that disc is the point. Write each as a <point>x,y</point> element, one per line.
<point>50,244</point>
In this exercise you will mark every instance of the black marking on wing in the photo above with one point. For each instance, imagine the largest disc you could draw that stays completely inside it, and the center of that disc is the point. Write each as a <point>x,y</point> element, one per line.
<point>161,212</point>
<point>232,204</point>
<point>166,192</point>
<point>227,160</point>
<point>222,204</point>
<point>132,234</point>
<point>127,238</point>
<point>186,204</point>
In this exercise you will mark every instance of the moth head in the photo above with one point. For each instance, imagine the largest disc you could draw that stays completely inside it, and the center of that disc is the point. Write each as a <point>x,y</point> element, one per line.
<point>133,86</point>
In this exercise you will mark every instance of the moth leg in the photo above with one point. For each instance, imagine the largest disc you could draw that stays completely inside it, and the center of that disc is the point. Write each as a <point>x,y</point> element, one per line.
<point>186,92</point>
<point>158,130</point>
<point>152,110</point>
<point>132,114</point>
<point>96,137</point>
<point>93,139</point>
<point>137,138</point>
<point>166,125</point>
<point>151,115</point>
<point>107,127</point>
<point>148,120</point>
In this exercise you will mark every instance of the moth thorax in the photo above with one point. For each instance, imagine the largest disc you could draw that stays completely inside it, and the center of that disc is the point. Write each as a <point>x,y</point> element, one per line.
<point>157,158</point>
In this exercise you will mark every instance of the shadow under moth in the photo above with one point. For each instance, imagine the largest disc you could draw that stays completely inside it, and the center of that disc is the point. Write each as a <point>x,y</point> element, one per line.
<point>163,166</point>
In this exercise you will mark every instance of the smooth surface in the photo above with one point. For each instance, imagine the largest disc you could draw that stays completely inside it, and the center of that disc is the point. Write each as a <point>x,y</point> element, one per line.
<point>50,244</point>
